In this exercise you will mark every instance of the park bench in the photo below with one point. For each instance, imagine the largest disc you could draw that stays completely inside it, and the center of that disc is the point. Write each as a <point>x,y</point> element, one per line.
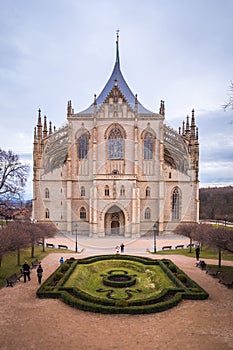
<point>50,245</point>
<point>12,280</point>
<point>39,243</point>
<point>212,270</point>
<point>225,279</point>
<point>61,246</point>
<point>35,263</point>
<point>192,245</point>
<point>179,246</point>
<point>166,247</point>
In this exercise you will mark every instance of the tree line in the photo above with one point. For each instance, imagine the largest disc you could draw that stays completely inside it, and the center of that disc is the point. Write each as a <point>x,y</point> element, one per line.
<point>217,237</point>
<point>216,203</point>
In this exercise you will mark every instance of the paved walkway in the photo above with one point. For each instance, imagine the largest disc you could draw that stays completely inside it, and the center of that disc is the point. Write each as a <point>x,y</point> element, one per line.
<point>29,323</point>
<point>108,244</point>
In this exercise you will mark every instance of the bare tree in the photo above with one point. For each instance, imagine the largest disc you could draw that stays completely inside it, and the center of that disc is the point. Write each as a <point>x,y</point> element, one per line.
<point>187,230</point>
<point>13,177</point>
<point>220,238</point>
<point>18,237</point>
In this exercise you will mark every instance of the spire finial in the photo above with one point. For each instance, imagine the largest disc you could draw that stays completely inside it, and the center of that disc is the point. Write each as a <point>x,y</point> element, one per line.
<point>117,47</point>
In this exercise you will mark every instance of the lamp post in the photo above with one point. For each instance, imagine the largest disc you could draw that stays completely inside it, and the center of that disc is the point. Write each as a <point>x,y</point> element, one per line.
<point>76,238</point>
<point>155,231</point>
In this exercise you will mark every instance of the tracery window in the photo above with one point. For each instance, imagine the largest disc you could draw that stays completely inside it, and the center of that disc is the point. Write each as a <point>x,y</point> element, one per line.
<point>148,146</point>
<point>176,204</point>
<point>83,213</point>
<point>122,191</point>
<point>82,146</point>
<point>147,214</point>
<point>82,191</point>
<point>47,214</point>
<point>115,144</point>
<point>47,193</point>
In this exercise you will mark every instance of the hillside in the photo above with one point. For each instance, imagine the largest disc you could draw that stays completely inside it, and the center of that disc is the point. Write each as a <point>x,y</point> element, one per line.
<point>216,203</point>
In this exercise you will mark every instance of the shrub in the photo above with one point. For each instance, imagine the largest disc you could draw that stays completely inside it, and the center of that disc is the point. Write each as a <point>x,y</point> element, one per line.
<point>64,267</point>
<point>182,278</point>
<point>57,276</point>
<point>173,268</point>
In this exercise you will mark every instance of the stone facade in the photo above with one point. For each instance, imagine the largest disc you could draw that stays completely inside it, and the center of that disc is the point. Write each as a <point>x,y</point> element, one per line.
<point>116,168</point>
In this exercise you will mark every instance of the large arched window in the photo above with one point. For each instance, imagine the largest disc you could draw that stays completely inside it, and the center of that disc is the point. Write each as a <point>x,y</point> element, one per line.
<point>46,192</point>
<point>115,144</point>
<point>176,204</point>
<point>147,214</point>
<point>83,213</point>
<point>148,145</point>
<point>82,146</point>
<point>47,214</point>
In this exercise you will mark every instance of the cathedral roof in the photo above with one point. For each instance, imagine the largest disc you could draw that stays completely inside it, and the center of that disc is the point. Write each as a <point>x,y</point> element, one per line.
<point>117,79</point>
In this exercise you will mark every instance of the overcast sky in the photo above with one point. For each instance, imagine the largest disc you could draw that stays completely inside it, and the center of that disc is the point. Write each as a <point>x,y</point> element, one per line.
<point>52,51</point>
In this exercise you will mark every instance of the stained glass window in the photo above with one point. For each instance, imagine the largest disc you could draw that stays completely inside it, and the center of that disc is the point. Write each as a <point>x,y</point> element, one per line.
<point>176,204</point>
<point>82,146</point>
<point>115,144</point>
<point>148,146</point>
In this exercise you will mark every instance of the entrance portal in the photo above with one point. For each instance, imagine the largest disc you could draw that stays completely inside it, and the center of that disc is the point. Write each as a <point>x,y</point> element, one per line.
<point>114,222</point>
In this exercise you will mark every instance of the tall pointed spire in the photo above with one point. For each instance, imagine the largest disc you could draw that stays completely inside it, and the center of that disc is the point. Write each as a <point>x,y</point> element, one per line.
<point>117,48</point>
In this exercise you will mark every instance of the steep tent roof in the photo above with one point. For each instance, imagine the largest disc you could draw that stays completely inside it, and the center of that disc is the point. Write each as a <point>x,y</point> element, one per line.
<point>116,78</point>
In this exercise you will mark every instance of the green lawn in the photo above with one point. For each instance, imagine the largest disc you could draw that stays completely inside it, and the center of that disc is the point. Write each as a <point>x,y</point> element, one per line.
<point>9,262</point>
<point>151,278</point>
<point>206,253</point>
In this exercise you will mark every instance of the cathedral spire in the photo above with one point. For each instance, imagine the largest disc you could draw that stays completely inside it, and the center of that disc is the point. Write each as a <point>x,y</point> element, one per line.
<point>117,48</point>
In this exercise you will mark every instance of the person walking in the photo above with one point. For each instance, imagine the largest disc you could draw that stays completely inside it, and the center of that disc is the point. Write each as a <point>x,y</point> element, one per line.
<point>61,260</point>
<point>197,250</point>
<point>122,247</point>
<point>39,273</point>
<point>26,271</point>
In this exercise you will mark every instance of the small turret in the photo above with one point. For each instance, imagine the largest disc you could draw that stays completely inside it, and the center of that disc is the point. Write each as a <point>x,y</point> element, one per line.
<point>50,128</point>
<point>45,130</point>
<point>39,125</point>
<point>69,108</point>
<point>162,108</point>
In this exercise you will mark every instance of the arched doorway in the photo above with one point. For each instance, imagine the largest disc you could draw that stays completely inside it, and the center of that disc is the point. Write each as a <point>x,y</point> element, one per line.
<point>114,223</point>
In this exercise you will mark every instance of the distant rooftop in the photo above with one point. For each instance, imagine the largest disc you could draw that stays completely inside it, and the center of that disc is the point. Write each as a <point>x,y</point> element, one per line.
<point>116,78</point>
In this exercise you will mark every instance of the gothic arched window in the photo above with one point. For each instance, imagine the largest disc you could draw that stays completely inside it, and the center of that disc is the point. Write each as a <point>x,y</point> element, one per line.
<point>148,191</point>
<point>47,215</point>
<point>46,193</point>
<point>176,204</point>
<point>148,145</point>
<point>106,191</point>
<point>115,144</point>
<point>147,214</point>
<point>83,213</point>
<point>82,191</point>
<point>82,146</point>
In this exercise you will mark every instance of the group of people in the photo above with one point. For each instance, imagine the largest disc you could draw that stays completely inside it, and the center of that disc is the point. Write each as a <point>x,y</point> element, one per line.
<point>120,248</point>
<point>27,272</point>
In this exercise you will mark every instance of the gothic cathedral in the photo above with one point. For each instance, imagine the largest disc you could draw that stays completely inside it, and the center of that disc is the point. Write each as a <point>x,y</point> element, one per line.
<point>116,168</point>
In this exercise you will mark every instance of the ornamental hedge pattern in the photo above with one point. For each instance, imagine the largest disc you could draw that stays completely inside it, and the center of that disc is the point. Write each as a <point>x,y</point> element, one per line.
<point>120,291</point>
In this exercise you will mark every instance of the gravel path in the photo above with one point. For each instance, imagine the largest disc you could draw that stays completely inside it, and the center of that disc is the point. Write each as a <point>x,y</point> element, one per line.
<point>27,322</point>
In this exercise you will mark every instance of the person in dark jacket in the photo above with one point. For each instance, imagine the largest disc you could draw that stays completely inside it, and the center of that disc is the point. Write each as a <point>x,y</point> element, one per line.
<point>39,273</point>
<point>197,250</point>
<point>26,272</point>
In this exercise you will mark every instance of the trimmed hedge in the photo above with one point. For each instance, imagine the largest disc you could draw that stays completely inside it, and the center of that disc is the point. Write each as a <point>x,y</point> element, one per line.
<point>185,288</point>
